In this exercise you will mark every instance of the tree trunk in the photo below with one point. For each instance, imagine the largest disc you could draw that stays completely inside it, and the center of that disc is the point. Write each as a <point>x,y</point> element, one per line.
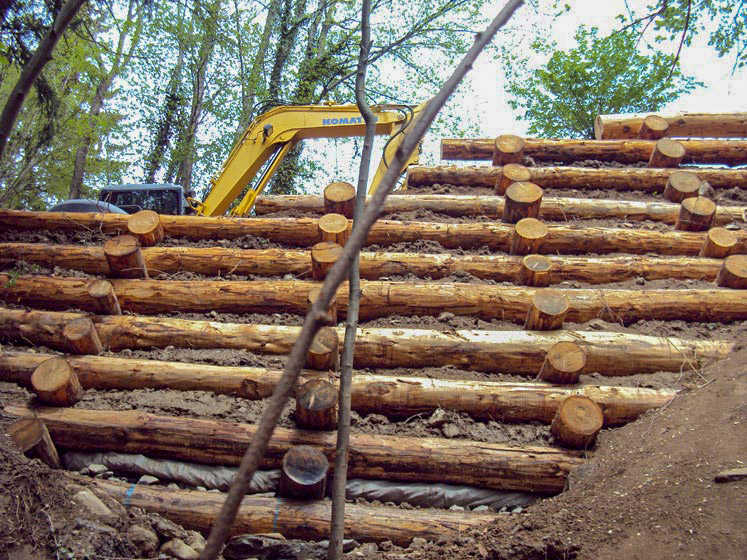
<point>55,383</point>
<point>577,422</point>
<point>303,473</point>
<point>706,125</point>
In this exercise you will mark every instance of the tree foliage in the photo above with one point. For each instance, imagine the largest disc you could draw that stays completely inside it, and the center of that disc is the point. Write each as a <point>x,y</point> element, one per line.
<point>600,75</point>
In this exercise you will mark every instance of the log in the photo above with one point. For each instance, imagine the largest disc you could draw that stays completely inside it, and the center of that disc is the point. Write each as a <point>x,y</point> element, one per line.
<point>55,383</point>
<point>704,125</point>
<point>528,236</point>
<point>316,405</point>
<point>718,244</point>
<point>535,271</point>
<point>104,298</point>
<point>653,127</point>
<point>303,232</point>
<point>323,256</point>
<point>124,257</point>
<point>81,336</point>
<point>666,153</point>
<point>729,152</point>
<point>272,262</point>
<point>564,363</point>
<point>383,299</point>
<point>519,352</point>
<point>324,352</point>
<point>31,436</point>
<point>393,396</point>
<point>146,226</point>
<point>509,174</point>
<point>681,185</point>
<point>331,319</point>
<point>508,149</point>
<point>522,201</point>
<point>547,311</point>
<point>294,520</point>
<point>577,422</point>
<point>303,473</point>
<point>334,228</point>
<point>422,459</point>
<point>646,179</point>
<point>696,214</point>
<point>339,198</point>
<point>733,272</point>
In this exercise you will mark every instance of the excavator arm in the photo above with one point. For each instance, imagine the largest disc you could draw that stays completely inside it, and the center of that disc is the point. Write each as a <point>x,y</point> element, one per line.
<point>268,139</point>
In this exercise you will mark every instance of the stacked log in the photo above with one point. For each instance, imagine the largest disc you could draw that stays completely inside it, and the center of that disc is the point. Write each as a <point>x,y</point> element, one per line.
<point>124,257</point>
<point>733,272</point>
<point>55,383</point>
<point>667,153</point>
<point>577,422</point>
<point>31,437</point>
<point>687,125</point>
<point>303,473</point>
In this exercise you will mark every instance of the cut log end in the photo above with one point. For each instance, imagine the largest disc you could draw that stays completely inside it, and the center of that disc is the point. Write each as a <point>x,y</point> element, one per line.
<point>528,236</point>
<point>733,272</point>
<point>81,336</point>
<point>653,128</point>
<point>323,256</point>
<point>508,149</point>
<point>55,383</point>
<point>146,226</point>
<point>522,201</point>
<point>681,185</point>
<point>316,405</point>
<point>331,314</point>
<point>667,153</point>
<point>719,243</point>
<point>547,311</point>
<point>323,354</point>
<point>304,473</point>
<point>577,422</point>
<point>339,198</point>
<point>696,214</point>
<point>124,257</point>
<point>104,298</point>
<point>563,363</point>
<point>535,271</point>
<point>334,228</point>
<point>511,173</point>
<point>31,436</point>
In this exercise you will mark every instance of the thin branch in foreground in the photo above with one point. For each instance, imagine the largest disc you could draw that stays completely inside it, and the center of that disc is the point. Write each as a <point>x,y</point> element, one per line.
<point>337,274</point>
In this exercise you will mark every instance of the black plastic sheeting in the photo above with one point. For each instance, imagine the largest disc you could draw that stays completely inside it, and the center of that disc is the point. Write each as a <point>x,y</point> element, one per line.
<point>441,496</point>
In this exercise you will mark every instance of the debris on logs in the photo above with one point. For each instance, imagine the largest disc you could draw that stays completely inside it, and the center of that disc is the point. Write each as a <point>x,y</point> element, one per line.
<point>719,243</point>
<point>31,436</point>
<point>55,383</point>
<point>733,272</point>
<point>104,298</point>
<point>146,226</point>
<point>547,311</point>
<point>564,363</point>
<point>681,185</point>
<point>323,256</point>
<point>696,214</point>
<point>339,198</point>
<point>577,422</point>
<point>522,200</point>
<point>303,473</point>
<point>124,257</point>
<point>316,405</point>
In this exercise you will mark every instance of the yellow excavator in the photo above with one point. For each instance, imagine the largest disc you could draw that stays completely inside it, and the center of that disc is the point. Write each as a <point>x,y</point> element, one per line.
<point>270,136</point>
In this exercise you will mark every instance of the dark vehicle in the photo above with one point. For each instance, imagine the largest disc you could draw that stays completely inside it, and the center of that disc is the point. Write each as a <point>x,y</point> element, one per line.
<point>85,205</point>
<point>161,198</point>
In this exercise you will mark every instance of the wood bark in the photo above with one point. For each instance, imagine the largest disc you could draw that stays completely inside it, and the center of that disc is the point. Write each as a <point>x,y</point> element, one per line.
<point>577,422</point>
<point>487,465</point>
<point>508,149</point>
<point>653,127</point>
<point>316,405</point>
<point>323,257</point>
<point>667,153</point>
<point>146,226</point>
<point>733,272</point>
<point>547,311</point>
<point>718,244</point>
<point>522,201</point>
<point>696,214</point>
<point>535,271</point>
<point>55,383</point>
<point>528,236</point>
<point>334,228</point>
<point>520,352</point>
<point>31,436</point>
<point>564,239</point>
<point>729,152</point>
<point>507,175</point>
<point>331,319</point>
<point>382,299</point>
<point>295,520</point>
<point>81,337</point>
<point>104,298</point>
<point>303,473</point>
<point>681,185</point>
<point>339,198</point>
<point>274,262</point>
<point>392,396</point>
<point>324,353</point>
<point>124,257</point>
<point>645,179</point>
<point>704,125</point>
<point>564,363</point>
